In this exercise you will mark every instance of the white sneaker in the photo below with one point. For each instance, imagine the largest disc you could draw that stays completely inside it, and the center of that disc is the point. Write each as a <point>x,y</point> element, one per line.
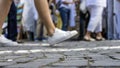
<point>6,42</point>
<point>60,36</point>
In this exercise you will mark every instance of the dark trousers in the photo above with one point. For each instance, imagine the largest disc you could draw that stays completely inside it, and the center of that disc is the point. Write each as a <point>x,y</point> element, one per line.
<point>64,12</point>
<point>12,23</point>
<point>84,19</point>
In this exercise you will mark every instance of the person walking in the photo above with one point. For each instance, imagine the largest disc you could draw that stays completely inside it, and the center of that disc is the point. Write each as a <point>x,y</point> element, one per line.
<point>55,35</point>
<point>29,18</point>
<point>65,13</point>
<point>95,7</point>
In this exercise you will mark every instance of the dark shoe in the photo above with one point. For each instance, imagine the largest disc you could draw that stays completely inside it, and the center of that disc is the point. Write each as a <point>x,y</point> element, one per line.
<point>30,36</point>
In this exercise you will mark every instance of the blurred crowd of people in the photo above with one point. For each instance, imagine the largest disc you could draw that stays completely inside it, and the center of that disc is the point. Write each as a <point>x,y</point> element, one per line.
<point>86,16</point>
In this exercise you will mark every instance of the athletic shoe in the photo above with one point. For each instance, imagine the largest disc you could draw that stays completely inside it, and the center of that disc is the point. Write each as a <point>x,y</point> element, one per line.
<point>60,36</point>
<point>6,42</point>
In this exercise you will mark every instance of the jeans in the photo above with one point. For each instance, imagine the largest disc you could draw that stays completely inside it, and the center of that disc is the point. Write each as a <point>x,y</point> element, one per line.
<point>64,12</point>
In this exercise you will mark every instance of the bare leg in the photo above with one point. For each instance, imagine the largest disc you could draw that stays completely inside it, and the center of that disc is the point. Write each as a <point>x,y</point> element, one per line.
<point>43,10</point>
<point>4,9</point>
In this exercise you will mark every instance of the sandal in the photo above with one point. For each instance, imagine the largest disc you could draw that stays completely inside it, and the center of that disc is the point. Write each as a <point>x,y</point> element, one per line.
<point>88,39</point>
<point>100,38</point>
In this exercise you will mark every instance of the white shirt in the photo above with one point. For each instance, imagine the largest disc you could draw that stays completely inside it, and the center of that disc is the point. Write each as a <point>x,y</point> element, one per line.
<point>29,8</point>
<point>64,5</point>
<point>96,2</point>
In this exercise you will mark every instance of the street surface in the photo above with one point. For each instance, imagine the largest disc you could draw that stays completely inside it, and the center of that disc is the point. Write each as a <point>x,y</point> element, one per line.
<point>69,54</point>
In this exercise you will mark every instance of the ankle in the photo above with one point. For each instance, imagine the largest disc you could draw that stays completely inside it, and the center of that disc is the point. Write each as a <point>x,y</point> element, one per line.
<point>51,32</point>
<point>87,35</point>
<point>99,35</point>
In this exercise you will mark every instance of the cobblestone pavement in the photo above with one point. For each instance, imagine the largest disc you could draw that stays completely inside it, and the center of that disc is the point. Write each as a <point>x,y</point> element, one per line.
<point>69,54</point>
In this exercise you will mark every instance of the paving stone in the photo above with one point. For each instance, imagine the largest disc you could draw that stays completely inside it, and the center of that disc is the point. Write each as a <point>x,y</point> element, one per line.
<point>106,52</point>
<point>105,63</point>
<point>12,57</point>
<point>35,55</point>
<point>60,67</point>
<point>98,57</point>
<point>115,56</point>
<point>47,60</point>
<point>71,63</point>
<point>26,65</point>
<point>24,60</point>
<point>6,63</point>
<point>34,64</point>
<point>73,58</point>
<point>79,53</point>
<point>53,55</point>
